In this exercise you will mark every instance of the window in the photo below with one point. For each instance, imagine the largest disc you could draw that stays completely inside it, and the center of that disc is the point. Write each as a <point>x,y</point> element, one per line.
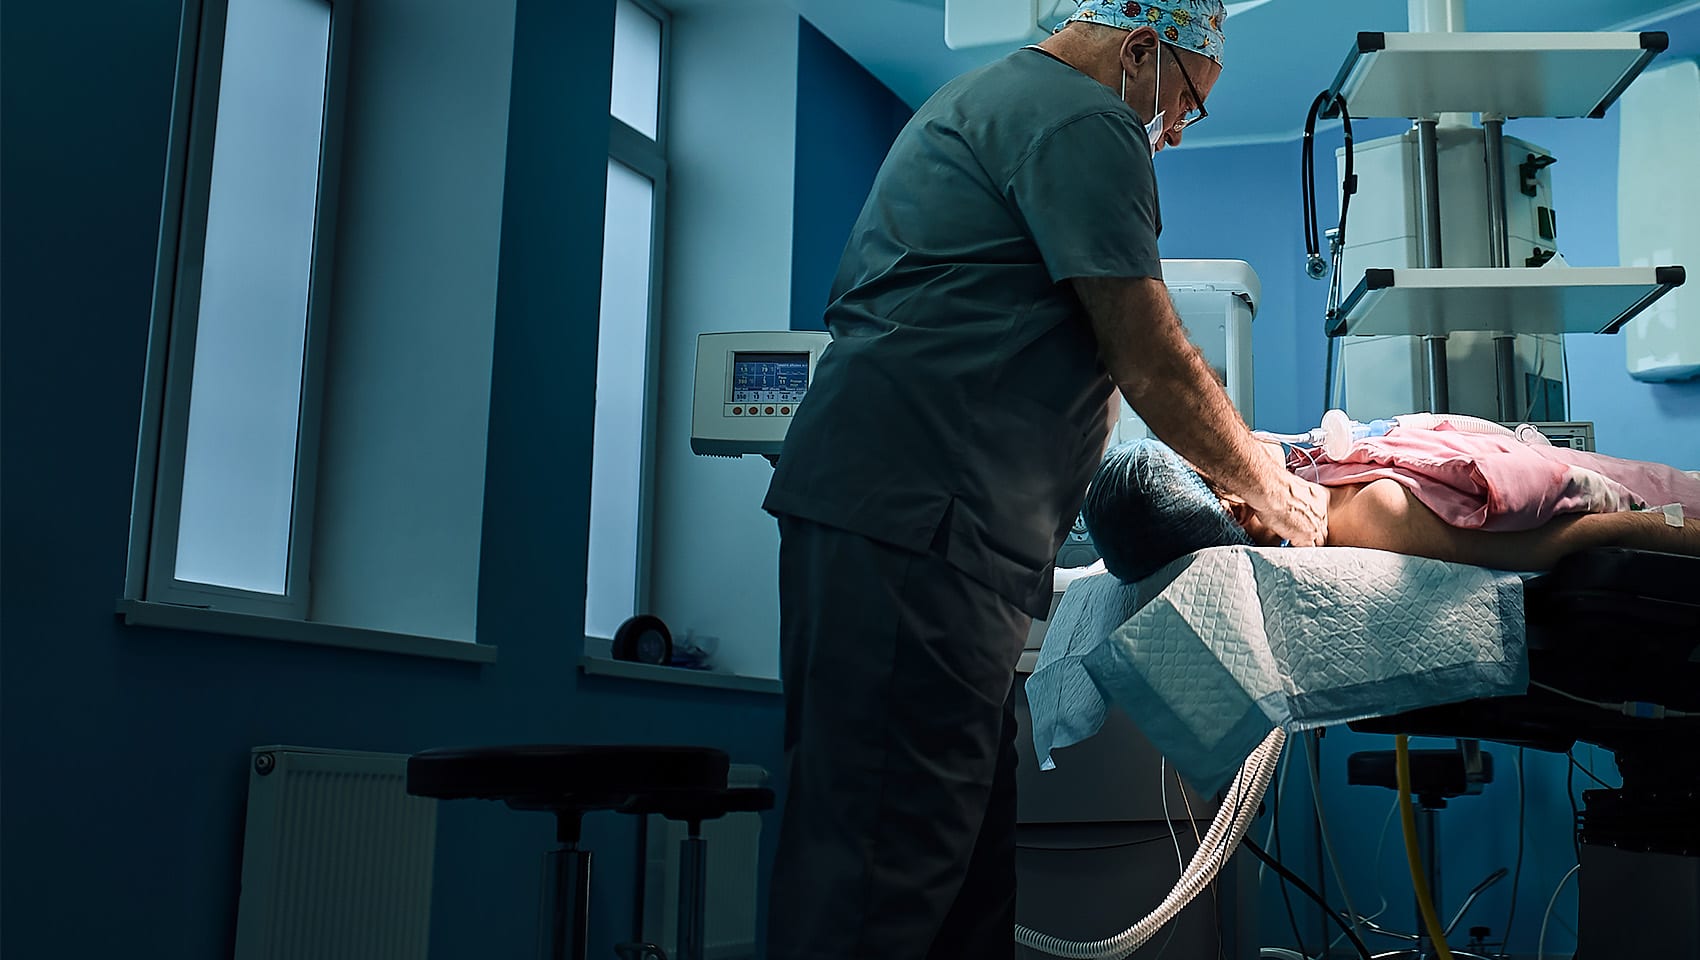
<point>226,471</point>
<point>621,477</point>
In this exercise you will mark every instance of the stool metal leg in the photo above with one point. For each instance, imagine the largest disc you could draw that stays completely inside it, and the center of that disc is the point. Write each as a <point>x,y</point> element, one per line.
<point>565,926</point>
<point>693,883</point>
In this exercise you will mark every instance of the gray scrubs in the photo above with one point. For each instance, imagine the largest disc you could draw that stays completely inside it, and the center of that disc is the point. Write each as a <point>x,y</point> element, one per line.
<point>926,484</point>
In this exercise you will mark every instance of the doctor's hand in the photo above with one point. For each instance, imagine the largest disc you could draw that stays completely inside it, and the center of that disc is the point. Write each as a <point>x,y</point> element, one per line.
<point>1297,511</point>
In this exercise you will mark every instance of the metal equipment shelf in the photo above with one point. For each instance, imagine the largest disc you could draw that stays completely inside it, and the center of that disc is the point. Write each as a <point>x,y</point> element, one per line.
<point>1504,74</point>
<point>1537,300</point>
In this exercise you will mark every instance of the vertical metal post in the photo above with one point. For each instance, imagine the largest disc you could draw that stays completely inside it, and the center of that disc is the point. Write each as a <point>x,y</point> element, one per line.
<point>1499,232</point>
<point>1428,204</point>
<point>564,931</point>
<point>1435,16</point>
<point>1428,191</point>
<point>1430,852</point>
<point>1499,253</point>
<point>693,884</point>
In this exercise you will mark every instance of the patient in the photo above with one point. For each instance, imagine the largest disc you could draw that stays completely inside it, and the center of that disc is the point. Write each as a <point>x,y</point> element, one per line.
<point>1460,497</point>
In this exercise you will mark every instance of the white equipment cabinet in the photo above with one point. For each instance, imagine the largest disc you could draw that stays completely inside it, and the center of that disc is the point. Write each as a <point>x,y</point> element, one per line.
<point>1658,215</point>
<point>1383,376</point>
<point>1216,301</point>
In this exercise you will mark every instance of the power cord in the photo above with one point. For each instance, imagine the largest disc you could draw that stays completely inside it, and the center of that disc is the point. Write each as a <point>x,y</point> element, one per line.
<point>1541,950</point>
<point>1380,848</point>
<point>1638,709</point>
<point>1591,775</point>
<point>1313,755</point>
<point>1570,794</point>
<point>1198,840</point>
<point>1517,870</point>
<point>1275,811</point>
<point>1305,888</point>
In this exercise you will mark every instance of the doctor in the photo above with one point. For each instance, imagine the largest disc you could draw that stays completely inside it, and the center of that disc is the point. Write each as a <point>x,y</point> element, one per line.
<point>1001,283</point>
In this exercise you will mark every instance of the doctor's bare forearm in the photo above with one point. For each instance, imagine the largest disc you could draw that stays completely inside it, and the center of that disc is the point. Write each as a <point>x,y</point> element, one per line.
<point>1169,385</point>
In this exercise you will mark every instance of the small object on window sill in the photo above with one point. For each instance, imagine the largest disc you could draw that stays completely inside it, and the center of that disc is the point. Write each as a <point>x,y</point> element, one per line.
<point>643,639</point>
<point>694,652</point>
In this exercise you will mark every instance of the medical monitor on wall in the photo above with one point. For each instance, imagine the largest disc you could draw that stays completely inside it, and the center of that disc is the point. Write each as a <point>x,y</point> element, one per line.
<point>748,386</point>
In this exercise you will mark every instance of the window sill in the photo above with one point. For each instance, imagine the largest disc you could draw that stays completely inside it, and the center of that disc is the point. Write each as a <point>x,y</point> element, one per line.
<point>607,667</point>
<point>142,613</point>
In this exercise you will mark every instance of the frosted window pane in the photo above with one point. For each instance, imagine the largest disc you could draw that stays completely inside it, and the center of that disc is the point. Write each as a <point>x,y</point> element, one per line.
<point>622,348</point>
<point>245,401</point>
<point>637,68</point>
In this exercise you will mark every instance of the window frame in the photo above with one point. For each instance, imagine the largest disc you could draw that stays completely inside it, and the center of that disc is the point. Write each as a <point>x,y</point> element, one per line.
<point>647,158</point>
<point>157,499</point>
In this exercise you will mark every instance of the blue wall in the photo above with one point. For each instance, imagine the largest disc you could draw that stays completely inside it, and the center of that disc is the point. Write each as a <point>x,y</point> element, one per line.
<point>846,121</point>
<point>125,749</point>
<point>1208,196</point>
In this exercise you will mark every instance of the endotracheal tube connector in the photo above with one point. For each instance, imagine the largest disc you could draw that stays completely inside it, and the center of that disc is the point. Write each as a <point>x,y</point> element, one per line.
<point>1335,435</point>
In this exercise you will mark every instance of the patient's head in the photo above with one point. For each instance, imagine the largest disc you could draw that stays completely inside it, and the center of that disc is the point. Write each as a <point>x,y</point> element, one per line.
<point>1147,507</point>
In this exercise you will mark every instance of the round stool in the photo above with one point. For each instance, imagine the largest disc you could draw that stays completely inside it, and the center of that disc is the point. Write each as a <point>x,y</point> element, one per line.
<point>568,781</point>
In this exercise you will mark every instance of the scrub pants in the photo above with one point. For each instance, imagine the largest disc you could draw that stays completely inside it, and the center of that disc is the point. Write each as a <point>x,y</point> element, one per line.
<point>898,837</point>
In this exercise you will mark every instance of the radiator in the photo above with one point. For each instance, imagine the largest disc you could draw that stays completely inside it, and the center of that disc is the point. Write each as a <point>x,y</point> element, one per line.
<point>733,846</point>
<point>336,858</point>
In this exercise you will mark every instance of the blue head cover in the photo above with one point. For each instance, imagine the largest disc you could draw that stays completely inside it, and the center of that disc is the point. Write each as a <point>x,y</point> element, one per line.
<point>1147,507</point>
<point>1194,25</point>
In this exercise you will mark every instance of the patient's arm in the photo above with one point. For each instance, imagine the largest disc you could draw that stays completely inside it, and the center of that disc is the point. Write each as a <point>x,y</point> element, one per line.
<point>1385,516</point>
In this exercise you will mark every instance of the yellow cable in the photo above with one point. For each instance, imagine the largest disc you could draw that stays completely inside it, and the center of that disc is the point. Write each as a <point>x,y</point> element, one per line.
<point>1408,820</point>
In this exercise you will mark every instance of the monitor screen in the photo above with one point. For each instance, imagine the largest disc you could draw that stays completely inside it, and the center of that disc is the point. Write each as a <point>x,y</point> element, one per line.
<point>769,377</point>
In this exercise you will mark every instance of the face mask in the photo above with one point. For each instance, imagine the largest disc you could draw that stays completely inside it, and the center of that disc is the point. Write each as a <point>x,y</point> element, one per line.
<point>1155,130</point>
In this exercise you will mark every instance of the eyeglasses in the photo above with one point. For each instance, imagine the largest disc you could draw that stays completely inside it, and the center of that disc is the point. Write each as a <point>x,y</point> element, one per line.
<point>1198,113</point>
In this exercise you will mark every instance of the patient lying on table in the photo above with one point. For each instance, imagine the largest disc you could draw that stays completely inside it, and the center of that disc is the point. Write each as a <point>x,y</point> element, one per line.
<point>1483,499</point>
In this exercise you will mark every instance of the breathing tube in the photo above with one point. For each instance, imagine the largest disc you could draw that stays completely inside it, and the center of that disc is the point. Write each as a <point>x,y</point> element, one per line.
<point>1338,432</point>
<point>1233,818</point>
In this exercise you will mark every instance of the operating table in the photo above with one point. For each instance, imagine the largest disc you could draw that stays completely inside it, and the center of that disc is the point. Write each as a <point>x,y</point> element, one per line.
<point>1611,626</point>
<point>1230,642</point>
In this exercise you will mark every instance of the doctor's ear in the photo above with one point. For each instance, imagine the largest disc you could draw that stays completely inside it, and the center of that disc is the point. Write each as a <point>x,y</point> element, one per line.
<point>1137,47</point>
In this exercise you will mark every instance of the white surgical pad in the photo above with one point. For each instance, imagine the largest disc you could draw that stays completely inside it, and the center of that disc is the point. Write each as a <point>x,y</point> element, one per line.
<point>1233,641</point>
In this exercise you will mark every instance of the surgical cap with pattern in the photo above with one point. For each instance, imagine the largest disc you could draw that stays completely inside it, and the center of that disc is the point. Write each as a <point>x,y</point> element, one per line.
<point>1194,25</point>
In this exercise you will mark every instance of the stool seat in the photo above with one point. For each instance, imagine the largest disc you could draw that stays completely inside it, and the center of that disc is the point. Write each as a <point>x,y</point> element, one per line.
<point>697,806</point>
<point>571,780</point>
<point>1435,774</point>
<point>565,776</point>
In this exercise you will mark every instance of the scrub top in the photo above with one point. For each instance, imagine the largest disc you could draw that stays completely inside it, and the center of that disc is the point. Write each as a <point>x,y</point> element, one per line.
<point>961,407</point>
